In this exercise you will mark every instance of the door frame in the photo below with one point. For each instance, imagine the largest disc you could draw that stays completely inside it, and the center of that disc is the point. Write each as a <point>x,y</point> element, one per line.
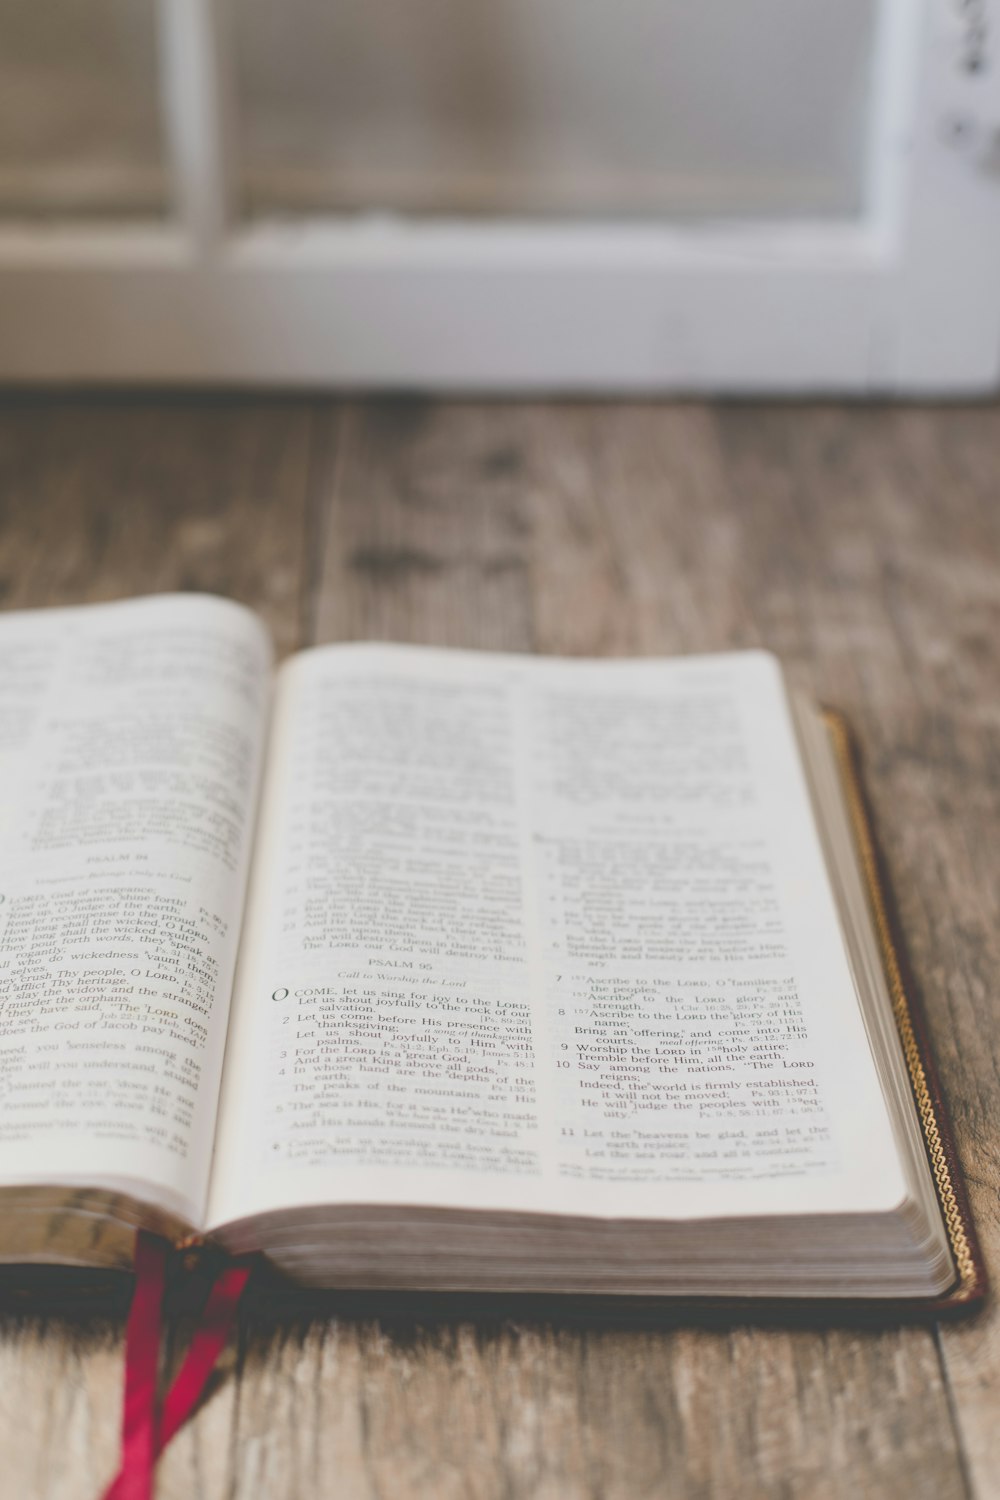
<point>905,299</point>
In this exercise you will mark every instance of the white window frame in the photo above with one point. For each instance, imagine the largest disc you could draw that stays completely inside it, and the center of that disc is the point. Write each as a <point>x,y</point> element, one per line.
<point>906,299</point>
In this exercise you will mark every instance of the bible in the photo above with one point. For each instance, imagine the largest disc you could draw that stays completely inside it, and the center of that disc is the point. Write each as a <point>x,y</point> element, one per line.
<point>452,971</point>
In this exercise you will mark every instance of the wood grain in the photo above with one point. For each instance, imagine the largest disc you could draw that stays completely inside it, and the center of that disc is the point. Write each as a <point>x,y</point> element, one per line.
<point>863,545</point>
<point>101,499</point>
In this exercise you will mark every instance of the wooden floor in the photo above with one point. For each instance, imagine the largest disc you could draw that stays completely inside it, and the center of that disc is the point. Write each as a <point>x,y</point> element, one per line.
<point>861,544</point>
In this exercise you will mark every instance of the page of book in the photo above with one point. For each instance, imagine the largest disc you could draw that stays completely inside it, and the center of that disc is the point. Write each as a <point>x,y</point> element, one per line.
<point>549,936</point>
<point>130,742</point>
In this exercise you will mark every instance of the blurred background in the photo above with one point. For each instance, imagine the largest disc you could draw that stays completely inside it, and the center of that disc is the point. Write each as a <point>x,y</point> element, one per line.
<point>456,106</point>
<point>807,193</point>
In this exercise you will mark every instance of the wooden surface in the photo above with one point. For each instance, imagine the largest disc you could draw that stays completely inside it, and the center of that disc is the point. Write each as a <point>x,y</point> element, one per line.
<point>863,545</point>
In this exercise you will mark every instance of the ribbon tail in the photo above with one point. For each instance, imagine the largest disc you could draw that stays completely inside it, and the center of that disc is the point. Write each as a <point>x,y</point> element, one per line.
<point>134,1480</point>
<point>145,1432</point>
<point>210,1339</point>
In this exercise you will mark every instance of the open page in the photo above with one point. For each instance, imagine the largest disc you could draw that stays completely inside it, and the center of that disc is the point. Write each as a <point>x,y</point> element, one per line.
<point>130,743</point>
<point>543,935</point>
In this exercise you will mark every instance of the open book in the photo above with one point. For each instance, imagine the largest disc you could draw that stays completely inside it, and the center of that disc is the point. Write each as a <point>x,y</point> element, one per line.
<point>418,968</point>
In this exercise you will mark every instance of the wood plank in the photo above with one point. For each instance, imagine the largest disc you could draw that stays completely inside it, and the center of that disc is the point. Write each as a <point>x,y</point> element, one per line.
<point>362,1411</point>
<point>590,529</point>
<point>818,531</point>
<point>105,498</point>
<point>99,499</point>
<point>908,629</point>
<point>423,523</point>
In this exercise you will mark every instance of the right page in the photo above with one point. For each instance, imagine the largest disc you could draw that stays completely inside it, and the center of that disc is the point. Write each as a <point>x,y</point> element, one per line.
<point>541,935</point>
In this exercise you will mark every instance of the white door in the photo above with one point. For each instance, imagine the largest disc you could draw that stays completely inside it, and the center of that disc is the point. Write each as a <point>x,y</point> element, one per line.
<point>608,195</point>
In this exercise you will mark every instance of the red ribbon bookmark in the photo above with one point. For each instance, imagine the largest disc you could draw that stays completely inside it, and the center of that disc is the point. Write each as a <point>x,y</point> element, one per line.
<point>146,1430</point>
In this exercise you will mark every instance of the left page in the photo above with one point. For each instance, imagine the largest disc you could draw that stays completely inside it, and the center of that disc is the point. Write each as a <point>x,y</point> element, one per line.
<point>131,738</point>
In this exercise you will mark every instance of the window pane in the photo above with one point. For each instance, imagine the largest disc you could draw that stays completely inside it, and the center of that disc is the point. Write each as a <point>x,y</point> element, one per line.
<point>79,111</point>
<point>670,107</point>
